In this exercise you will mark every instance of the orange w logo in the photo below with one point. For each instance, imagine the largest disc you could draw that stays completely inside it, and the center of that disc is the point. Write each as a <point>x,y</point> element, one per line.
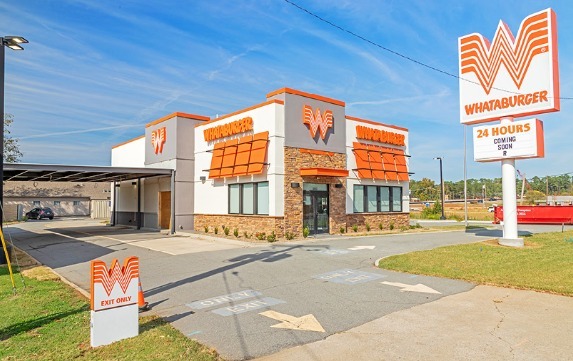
<point>317,121</point>
<point>158,138</point>
<point>478,57</point>
<point>116,273</point>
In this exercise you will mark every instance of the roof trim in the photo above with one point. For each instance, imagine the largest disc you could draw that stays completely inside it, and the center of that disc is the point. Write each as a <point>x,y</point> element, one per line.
<point>127,141</point>
<point>276,101</point>
<point>306,95</point>
<point>177,114</point>
<point>348,117</point>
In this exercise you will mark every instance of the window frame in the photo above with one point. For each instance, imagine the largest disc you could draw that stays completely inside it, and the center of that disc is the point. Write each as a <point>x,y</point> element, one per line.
<point>378,190</point>
<point>255,199</point>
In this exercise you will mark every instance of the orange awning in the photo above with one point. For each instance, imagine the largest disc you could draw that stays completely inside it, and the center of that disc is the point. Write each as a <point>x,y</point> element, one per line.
<point>238,157</point>
<point>327,172</point>
<point>375,162</point>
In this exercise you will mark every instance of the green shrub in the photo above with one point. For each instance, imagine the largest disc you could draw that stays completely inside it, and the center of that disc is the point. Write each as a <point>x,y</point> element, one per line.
<point>367,227</point>
<point>391,225</point>
<point>216,230</point>
<point>206,229</point>
<point>342,230</point>
<point>236,232</point>
<point>381,226</point>
<point>289,235</point>
<point>247,235</point>
<point>261,236</point>
<point>305,232</point>
<point>355,228</point>
<point>226,230</point>
<point>272,237</point>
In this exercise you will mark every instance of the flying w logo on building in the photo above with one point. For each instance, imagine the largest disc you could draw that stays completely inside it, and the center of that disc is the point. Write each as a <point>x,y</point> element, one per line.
<point>317,121</point>
<point>115,274</point>
<point>515,54</point>
<point>158,138</point>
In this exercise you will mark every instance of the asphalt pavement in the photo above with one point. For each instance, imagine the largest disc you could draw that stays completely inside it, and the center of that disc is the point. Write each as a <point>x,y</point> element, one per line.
<point>250,300</point>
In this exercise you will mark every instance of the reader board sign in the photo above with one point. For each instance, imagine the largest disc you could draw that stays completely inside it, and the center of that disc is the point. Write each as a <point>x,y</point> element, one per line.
<point>114,296</point>
<point>512,140</point>
<point>510,77</point>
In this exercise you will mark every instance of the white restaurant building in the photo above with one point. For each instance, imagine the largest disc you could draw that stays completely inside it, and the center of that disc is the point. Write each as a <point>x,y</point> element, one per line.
<point>294,161</point>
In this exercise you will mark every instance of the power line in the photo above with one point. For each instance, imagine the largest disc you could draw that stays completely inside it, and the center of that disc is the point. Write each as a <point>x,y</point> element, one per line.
<point>395,52</point>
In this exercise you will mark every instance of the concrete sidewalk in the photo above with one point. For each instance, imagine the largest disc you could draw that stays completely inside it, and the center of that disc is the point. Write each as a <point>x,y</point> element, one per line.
<point>486,323</point>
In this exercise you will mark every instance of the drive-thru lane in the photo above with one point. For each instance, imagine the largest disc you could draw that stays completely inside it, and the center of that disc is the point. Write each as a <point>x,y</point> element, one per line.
<point>250,300</point>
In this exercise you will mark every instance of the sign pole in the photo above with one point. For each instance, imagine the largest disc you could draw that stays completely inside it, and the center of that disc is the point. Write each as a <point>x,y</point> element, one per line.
<point>509,199</point>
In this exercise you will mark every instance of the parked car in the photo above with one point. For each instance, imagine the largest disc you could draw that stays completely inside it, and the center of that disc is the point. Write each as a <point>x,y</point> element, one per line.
<point>39,213</point>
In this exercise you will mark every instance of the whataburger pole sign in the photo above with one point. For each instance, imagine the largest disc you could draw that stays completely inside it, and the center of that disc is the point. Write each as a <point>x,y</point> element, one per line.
<point>510,77</point>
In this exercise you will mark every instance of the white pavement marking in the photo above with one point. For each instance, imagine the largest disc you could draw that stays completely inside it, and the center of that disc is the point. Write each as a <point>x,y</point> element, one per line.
<point>412,288</point>
<point>303,323</point>
<point>358,248</point>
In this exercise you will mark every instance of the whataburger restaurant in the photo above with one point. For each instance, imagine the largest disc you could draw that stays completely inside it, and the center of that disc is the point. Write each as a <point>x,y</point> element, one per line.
<point>294,161</point>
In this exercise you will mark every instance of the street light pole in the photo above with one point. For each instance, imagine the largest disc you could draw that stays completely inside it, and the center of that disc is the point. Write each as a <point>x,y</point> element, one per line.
<point>12,42</point>
<point>441,187</point>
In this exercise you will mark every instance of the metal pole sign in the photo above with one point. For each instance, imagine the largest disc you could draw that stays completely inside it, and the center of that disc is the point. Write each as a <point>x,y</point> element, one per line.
<point>114,309</point>
<point>510,77</point>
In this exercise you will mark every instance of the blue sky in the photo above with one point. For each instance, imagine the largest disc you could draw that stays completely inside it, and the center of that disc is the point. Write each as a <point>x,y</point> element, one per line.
<point>95,72</point>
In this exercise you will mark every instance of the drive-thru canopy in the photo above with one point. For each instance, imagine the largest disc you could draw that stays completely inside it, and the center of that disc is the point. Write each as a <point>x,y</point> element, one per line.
<point>74,173</point>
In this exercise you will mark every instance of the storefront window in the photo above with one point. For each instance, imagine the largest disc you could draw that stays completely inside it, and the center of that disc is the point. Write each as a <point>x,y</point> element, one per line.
<point>377,199</point>
<point>249,198</point>
<point>263,198</point>
<point>372,197</point>
<point>358,199</point>
<point>234,199</point>
<point>385,199</point>
<point>397,199</point>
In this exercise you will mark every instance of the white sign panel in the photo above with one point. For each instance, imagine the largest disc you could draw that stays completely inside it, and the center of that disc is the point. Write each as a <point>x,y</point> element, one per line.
<point>510,77</point>
<point>515,140</point>
<point>114,297</point>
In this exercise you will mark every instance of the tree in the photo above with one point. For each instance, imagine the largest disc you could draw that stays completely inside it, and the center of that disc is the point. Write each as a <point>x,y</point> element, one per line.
<point>11,147</point>
<point>533,196</point>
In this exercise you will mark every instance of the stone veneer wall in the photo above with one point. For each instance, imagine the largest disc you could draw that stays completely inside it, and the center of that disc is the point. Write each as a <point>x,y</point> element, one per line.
<point>244,223</point>
<point>293,207</point>
<point>375,219</point>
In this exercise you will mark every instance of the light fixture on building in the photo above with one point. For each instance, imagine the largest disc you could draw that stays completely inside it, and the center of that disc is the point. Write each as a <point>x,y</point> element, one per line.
<point>338,185</point>
<point>202,179</point>
<point>295,185</point>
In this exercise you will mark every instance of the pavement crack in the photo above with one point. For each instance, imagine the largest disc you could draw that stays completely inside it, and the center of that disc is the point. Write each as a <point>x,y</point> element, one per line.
<point>497,327</point>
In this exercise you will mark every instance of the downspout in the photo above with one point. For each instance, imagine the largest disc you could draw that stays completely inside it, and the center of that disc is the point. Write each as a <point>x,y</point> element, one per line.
<point>172,221</point>
<point>138,203</point>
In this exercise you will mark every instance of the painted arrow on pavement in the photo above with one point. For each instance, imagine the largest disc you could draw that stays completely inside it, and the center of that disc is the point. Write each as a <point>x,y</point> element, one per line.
<point>357,248</point>
<point>412,288</point>
<point>303,323</point>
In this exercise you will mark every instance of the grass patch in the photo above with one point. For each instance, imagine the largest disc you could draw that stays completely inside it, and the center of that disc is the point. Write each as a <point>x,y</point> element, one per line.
<point>48,320</point>
<point>544,264</point>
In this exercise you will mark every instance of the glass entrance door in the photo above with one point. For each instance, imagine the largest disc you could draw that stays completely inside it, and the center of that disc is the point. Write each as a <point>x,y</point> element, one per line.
<point>315,207</point>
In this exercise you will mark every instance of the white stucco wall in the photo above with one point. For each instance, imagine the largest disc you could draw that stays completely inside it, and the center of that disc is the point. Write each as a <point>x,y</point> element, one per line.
<point>351,162</point>
<point>129,154</point>
<point>211,195</point>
